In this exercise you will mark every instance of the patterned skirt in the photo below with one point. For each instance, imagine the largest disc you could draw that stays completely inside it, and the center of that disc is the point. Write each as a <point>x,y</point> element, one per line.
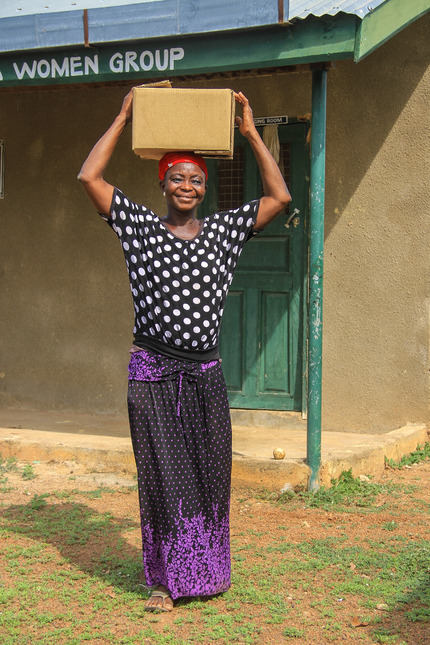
<point>181,434</point>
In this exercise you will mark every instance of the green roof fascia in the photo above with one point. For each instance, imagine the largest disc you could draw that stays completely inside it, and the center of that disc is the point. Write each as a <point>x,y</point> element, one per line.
<point>384,22</point>
<point>311,40</point>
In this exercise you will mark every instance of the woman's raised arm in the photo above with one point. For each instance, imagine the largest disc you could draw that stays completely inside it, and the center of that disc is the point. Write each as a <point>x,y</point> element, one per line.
<point>276,194</point>
<point>91,174</point>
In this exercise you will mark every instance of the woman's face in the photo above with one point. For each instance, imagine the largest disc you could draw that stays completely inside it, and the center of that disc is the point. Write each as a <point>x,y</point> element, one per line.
<point>184,186</point>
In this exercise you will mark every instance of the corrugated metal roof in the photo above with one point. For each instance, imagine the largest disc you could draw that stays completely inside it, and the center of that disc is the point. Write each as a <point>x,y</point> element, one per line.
<point>44,24</point>
<point>292,9</point>
<point>304,8</point>
<point>39,24</point>
<point>14,8</point>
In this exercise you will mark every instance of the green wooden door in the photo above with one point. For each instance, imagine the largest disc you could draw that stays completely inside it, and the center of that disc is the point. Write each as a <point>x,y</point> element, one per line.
<point>262,331</point>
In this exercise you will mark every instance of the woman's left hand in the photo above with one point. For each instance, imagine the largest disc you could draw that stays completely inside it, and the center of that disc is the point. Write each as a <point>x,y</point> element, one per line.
<point>276,195</point>
<point>246,122</point>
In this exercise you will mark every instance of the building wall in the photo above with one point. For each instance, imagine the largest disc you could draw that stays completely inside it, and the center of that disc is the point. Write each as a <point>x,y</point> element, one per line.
<point>376,298</point>
<point>67,315</point>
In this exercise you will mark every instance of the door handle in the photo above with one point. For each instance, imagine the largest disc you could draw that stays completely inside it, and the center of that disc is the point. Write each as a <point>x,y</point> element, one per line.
<point>293,219</point>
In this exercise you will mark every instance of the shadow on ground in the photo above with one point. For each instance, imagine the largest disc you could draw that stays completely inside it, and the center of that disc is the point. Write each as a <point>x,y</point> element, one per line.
<point>91,541</point>
<point>409,621</point>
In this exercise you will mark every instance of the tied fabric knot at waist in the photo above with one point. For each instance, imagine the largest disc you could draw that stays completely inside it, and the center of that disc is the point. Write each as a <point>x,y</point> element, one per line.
<point>150,367</point>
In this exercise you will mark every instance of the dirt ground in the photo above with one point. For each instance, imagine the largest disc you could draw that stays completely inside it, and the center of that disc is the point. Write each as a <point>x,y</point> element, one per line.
<point>257,524</point>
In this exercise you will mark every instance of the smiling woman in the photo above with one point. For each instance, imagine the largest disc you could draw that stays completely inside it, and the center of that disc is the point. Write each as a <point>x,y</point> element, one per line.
<point>180,271</point>
<point>183,182</point>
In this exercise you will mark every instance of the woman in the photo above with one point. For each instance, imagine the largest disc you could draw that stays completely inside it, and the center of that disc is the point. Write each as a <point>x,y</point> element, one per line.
<point>180,270</point>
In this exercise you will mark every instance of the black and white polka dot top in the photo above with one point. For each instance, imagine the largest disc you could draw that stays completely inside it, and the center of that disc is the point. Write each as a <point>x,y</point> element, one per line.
<point>179,286</point>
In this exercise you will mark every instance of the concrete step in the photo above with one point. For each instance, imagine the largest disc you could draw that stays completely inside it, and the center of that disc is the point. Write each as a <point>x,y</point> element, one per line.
<point>103,444</point>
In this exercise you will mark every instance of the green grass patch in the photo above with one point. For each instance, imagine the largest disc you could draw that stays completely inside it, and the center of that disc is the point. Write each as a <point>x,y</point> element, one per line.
<point>293,632</point>
<point>345,494</point>
<point>96,493</point>
<point>421,453</point>
<point>38,502</point>
<point>387,637</point>
<point>28,472</point>
<point>8,465</point>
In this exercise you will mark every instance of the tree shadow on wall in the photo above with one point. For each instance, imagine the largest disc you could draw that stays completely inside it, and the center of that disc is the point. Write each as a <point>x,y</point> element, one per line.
<point>364,102</point>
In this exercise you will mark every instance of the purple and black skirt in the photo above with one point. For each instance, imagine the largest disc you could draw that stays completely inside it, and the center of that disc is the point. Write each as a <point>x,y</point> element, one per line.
<point>181,434</point>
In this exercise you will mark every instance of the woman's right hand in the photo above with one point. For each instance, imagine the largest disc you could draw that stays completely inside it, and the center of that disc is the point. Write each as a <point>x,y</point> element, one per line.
<point>91,175</point>
<point>127,106</point>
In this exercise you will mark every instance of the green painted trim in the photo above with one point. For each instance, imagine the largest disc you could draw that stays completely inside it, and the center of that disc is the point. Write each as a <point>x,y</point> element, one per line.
<point>300,193</point>
<point>316,263</point>
<point>266,402</point>
<point>305,304</point>
<point>384,22</point>
<point>307,41</point>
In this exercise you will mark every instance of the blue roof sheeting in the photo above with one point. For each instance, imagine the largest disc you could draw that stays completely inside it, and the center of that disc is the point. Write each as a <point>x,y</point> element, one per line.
<point>149,20</point>
<point>40,24</point>
<point>12,8</point>
<point>32,24</point>
<point>40,31</point>
<point>173,17</point>
<point>217,15</point>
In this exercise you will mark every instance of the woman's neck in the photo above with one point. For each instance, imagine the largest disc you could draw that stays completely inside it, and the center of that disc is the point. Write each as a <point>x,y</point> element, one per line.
<point>185,227</point>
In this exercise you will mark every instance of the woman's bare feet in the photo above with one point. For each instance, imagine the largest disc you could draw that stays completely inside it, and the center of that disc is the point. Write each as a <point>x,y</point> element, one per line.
<point>159,600</point>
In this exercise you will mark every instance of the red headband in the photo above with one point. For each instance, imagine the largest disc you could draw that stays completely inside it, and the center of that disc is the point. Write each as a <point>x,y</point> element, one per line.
<point>172,158</point>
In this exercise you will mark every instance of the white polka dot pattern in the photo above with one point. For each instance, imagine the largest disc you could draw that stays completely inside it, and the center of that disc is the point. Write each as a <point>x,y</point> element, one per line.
<point>179,286</point>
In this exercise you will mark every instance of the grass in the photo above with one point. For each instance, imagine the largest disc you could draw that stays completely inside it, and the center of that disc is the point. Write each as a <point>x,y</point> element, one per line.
<point>28,472</point>
<point>421,453</point>
<point>386,636</point>
<point>70,571</point>
<point>345,493</point>
<point>6,466</point>
<point>10,465</point>
<point>96,493</point>
<point>293,632</point>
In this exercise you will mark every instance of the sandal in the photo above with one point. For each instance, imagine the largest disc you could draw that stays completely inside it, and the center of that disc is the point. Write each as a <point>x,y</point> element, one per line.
<point>157,593</point>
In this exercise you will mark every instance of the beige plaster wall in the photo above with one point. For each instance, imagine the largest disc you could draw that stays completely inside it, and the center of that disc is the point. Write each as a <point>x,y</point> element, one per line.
<point>376,287</point>
<point>67,316</point>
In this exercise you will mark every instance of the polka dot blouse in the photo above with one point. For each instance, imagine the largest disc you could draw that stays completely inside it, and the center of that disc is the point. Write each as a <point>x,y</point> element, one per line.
<point>179,286</point>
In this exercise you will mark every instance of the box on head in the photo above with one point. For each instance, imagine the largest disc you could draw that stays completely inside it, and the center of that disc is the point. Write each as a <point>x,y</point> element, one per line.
<point>197,120</point>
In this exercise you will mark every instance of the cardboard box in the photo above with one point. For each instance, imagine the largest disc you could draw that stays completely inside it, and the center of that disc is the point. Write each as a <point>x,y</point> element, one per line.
<point>197,120</point>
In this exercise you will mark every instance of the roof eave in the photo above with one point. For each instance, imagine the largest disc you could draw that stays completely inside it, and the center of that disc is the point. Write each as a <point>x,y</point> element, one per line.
<point>384,22</point>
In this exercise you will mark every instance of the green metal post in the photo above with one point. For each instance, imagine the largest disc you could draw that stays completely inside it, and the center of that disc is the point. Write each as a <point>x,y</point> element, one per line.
<point>316,258</point>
